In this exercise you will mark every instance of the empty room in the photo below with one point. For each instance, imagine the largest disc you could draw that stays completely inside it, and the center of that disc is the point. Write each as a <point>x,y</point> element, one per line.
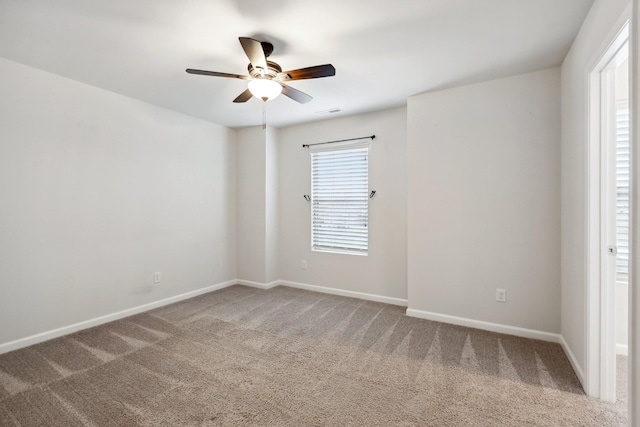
<point>288,213</point>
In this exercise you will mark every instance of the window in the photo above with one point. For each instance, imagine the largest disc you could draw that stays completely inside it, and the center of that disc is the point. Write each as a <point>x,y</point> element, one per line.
<point>622,192</point>
<point>340,199</point>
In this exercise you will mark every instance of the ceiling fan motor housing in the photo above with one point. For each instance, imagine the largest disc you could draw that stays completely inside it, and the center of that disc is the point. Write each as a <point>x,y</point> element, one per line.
<point>272,71</point>
<point>267,75</point>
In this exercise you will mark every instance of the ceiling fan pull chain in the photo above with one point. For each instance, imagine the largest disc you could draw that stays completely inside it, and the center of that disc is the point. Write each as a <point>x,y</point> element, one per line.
<point>264,115</point>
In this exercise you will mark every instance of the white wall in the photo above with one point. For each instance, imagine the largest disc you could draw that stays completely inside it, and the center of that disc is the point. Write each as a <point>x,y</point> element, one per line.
<point>251,199</point>
<point>272,207</point>
<point>257,186</point>
<point>584,53</point>
<point>484,201</point>
<point>98,191</point>
<point>383,271</point>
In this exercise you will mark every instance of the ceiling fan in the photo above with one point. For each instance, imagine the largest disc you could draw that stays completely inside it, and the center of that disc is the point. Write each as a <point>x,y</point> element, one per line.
<point>266,78</point>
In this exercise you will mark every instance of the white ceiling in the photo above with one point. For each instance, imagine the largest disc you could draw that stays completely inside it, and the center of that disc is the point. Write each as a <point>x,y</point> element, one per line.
<point>384,51</point>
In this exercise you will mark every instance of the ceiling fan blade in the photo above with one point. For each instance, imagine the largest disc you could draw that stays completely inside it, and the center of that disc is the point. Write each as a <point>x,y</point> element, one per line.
<point>254,51</point>
<point>244,96</point>
<point>326,70</point>
<point>217,74</point>
<point>295,94</point>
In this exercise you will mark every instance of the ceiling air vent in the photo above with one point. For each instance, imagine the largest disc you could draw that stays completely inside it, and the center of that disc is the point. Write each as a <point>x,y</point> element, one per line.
<point>330,111</point>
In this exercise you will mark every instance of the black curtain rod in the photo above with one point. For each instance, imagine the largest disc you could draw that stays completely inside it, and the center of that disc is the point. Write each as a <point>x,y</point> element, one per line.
<point>340,140</point>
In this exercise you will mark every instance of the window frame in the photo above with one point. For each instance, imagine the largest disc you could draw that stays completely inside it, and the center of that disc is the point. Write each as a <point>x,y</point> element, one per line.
<point>332,148</point>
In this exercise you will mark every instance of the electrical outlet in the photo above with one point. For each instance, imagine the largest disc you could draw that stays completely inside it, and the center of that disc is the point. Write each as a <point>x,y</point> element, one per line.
<point>156,277</point>
<point>303,265</point>
<point>501,295</point>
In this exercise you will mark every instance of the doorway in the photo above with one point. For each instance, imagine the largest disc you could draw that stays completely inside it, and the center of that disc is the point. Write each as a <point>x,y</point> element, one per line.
<point>608,232</point>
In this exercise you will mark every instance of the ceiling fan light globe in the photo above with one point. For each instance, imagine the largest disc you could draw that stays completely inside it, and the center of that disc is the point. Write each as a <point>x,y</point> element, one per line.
<point>264,89</point>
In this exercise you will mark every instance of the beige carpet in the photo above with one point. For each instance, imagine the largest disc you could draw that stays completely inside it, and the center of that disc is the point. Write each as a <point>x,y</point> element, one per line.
<point>287,357</point>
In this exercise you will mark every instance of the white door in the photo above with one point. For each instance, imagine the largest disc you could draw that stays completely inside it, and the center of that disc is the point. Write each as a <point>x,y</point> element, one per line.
<point>600,376</point>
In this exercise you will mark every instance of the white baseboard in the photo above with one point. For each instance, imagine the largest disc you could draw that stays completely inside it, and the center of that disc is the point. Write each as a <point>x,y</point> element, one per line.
<point>622,349</point>
<point>353,294</point>
<point>493,327</point>
<point>258,285</point>
<point>572,359</point>
<point>65,330</point>
<point>504,329</point>
<point>486,326</point>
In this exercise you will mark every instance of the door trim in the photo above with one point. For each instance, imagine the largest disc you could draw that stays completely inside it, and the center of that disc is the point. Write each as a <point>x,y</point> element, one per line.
<point>600,302</point>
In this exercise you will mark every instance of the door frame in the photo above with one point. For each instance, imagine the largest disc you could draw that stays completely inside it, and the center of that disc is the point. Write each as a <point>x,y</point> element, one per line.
<point>600,369</point>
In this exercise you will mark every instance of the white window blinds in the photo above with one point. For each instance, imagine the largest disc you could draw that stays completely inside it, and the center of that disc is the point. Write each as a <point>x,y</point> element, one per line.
<point>340,199</point>
<point>622,193</point>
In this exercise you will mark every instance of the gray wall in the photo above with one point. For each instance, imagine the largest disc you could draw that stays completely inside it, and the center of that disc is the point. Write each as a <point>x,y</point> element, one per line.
<point>98,192</point>
<point>484,201</point>
<point>383,271</point>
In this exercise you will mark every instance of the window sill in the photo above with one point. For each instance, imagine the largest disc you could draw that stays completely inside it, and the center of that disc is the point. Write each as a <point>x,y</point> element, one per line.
<point>341,252</point>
